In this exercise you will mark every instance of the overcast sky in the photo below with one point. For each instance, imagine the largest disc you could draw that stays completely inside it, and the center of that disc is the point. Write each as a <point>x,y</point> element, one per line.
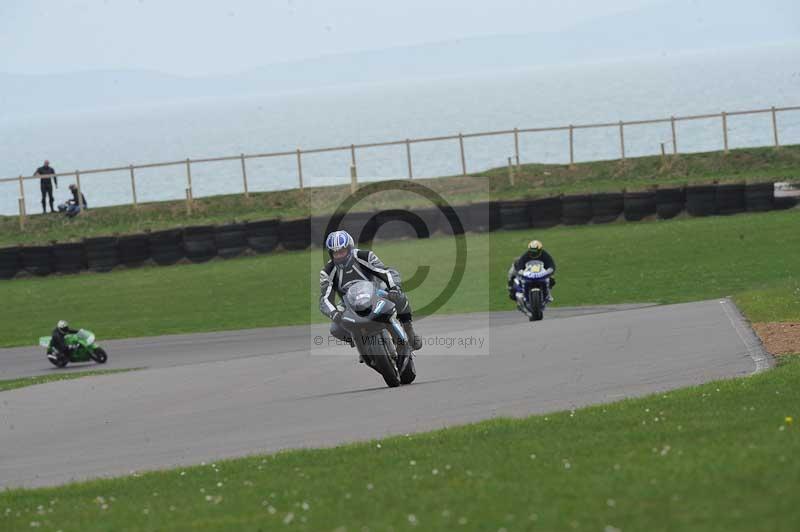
<point>200,37</point>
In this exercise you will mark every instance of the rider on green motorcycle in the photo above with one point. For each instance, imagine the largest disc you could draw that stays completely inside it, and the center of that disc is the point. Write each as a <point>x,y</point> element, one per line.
<point>58,343</point>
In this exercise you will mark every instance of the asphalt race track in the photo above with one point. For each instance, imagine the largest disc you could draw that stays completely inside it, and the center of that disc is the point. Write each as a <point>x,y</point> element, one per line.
<point>204,397</point>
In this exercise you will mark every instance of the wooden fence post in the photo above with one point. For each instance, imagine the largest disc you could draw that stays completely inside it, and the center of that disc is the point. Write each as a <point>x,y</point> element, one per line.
<point>24,211</point>
<point>408,159</point>
<point>80,194</point>
<point>353,178</point>
<point>463,157</point>
<point>622,139</point>
<point>189,178</point>
<point>299,169</point>
<point>244,177</point>
<point>21,205</point>
<point>725,130</point>
<point>516,145</point>
<point>510,172</point>
<point>133,187</point>
<point>674,136</point>
<point>571,146</point>
<point>775,127</point>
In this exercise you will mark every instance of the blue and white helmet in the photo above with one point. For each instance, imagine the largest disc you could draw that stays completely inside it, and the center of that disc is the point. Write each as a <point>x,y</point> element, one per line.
<point>341,248</point>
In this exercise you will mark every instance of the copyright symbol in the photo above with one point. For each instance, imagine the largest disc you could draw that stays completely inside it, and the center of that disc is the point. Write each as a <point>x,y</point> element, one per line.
<point>371,226</point>
<point>318,340</point>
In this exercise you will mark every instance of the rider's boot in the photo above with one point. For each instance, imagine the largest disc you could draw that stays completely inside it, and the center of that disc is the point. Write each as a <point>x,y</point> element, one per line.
<point>414,339</point>
<point>548,296</point>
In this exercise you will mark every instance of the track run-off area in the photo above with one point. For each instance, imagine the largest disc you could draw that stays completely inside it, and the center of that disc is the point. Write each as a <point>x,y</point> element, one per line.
<point>205,397</point>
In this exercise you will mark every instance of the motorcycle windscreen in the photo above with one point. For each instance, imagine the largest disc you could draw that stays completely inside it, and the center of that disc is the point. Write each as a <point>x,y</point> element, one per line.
<point>360,295</point>
<point>85,336</point>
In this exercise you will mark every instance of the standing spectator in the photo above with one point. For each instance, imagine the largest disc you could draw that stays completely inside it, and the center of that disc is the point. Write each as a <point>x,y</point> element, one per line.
<point>46,184</point>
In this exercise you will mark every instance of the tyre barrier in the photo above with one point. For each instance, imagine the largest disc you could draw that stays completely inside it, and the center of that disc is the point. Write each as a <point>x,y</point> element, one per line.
<point>295,234</point>
<point>576,209</point>
<point>786,202</point>
<point>393,224</point>
<point>454,219</point>
<point>205,242</point>
<point>481,217</point>
<point>514,214</point>
<point>133,250</point>
<point>670,202</point>
<point>199,243</point>
<point>262,237</point>
<point>166,247</point>
<point>545,212</point>
<point>729,198</point>
<point>69,258</point>
<point>231,240</point>
<point>759,197</point>
<point>102,254</point>
<point>607,207</point>
<point>639,205</point>
<point>36,260</point>
<point>361,225</point>
<point>701,200</point>
<point>9,262</point>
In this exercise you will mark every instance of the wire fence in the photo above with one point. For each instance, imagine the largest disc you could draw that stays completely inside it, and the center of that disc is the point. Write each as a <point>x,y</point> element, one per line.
<point>516,134</point>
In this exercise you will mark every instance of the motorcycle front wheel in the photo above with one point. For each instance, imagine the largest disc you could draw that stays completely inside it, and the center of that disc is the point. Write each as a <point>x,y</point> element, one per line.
<point>100,355</point>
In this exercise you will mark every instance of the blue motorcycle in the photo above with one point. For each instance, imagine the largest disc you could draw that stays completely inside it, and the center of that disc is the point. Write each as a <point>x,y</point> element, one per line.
<point>531,287</point>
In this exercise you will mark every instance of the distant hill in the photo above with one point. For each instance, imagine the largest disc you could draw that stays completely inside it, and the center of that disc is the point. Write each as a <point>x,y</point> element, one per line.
<point>653,31</point>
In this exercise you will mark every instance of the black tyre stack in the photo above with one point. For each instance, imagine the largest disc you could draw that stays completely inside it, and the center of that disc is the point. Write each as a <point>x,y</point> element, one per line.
<point>576,209</point>
<point>262,237</point>
<point>514,214</point>
<point>393,224</point>
<point>759,197</point>
<point>231,240</point>
<point>295,234</point>
<point>134,250</point>
<point>102,254</point>
<point>639,205</point>
<point>670,202</point>
<point>166,247</point>
<point>69,257</point>
<point>730,198</point>
<point>9,262</point>
<point>200,243</point>
<point>607,207</point>
<point>36,260</point>
<point>545,212</point>
<point>701,200</point>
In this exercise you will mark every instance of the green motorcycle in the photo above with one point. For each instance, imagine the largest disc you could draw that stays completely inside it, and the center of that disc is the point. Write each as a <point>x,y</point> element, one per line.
<point>82,349</point>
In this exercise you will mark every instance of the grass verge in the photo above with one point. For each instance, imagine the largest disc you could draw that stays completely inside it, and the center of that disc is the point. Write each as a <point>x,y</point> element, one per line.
<point>673,261</point>
<point>721,456</point>
<point>532,180</point>
<point>13,384</point>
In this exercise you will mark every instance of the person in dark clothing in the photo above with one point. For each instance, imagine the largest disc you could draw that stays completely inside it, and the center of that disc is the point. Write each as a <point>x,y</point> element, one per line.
<point>535,252</point>
<point>58,344</point>
<point>73,206</point>
<point>347,265</point>
<point>46,184</point>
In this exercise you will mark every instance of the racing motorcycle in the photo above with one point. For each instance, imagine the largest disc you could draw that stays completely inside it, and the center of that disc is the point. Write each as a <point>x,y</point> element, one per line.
<point>371,319</point>
<point>530,287</point>
<point>82,349</point>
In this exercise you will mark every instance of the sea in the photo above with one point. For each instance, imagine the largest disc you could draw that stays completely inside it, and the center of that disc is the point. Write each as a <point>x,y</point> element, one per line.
<point>633,89</point>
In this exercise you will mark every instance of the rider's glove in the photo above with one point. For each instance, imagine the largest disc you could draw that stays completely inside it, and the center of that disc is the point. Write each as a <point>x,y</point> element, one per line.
<point>393,295</point>
<point>336,316</point>
<point>550,271</point>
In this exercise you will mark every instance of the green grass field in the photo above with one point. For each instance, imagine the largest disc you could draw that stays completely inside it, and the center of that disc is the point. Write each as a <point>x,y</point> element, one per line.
<point>722,456</point>
<point>532,180</point>
<point>673,261</point>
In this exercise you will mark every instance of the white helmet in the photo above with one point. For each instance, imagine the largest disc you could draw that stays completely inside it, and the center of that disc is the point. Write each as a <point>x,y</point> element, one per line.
<point>341,248</point>
<point>63,325</point>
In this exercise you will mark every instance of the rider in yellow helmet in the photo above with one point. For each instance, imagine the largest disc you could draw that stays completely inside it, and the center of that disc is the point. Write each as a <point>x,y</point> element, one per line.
<point>535,251</point>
